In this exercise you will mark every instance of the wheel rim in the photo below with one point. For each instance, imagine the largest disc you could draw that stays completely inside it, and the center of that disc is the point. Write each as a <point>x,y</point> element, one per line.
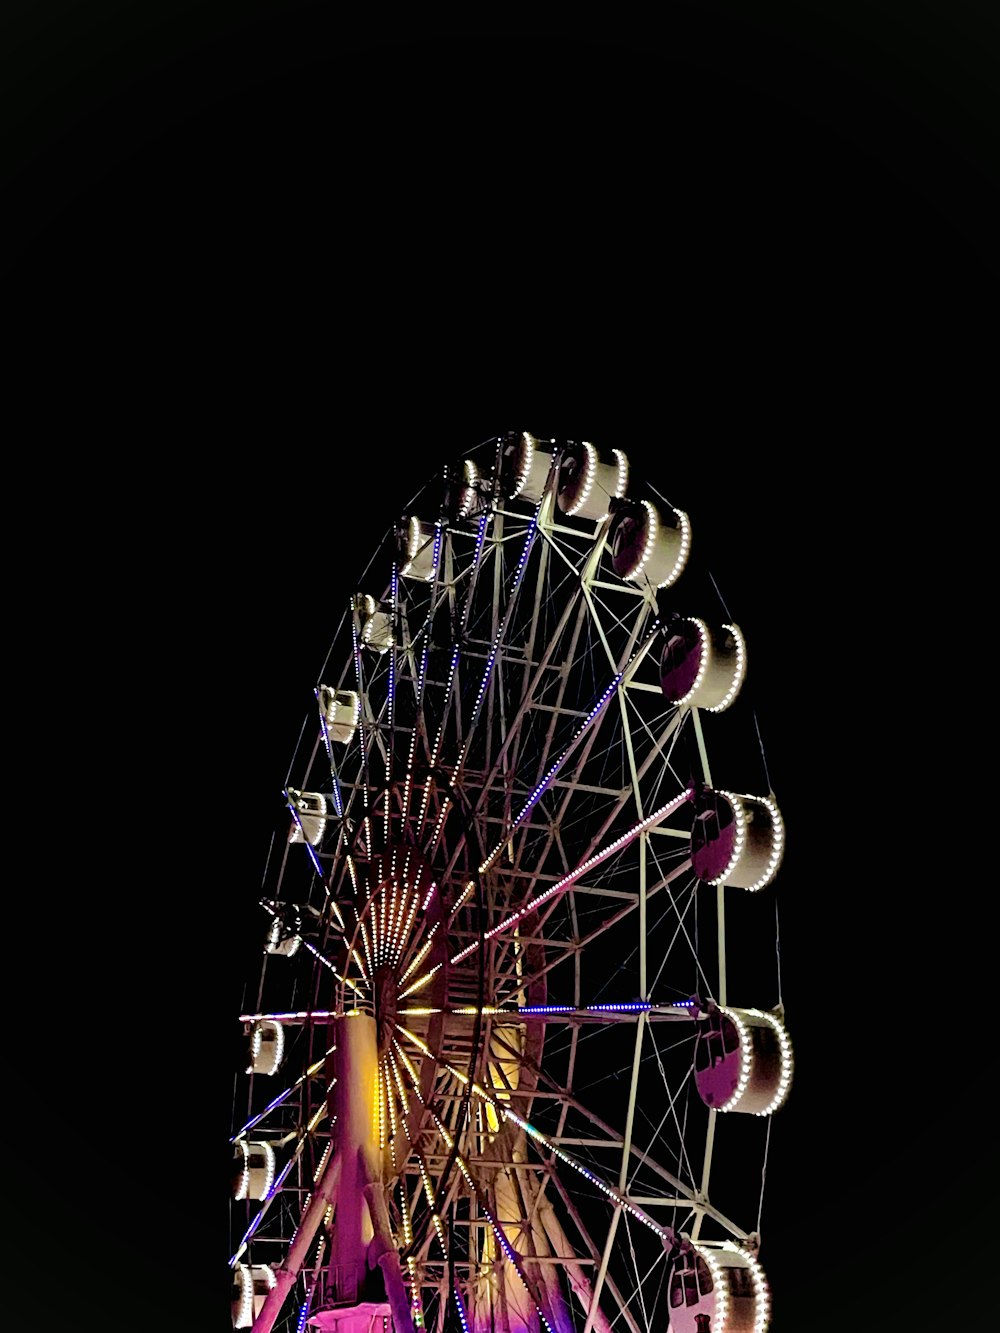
<point>489,867</point>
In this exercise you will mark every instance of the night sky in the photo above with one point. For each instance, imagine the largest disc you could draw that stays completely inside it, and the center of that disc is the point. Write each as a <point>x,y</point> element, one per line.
<point>267,276</point>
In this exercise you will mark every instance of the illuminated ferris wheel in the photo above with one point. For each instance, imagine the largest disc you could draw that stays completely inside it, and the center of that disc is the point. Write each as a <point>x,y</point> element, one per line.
<point>495,1081</point>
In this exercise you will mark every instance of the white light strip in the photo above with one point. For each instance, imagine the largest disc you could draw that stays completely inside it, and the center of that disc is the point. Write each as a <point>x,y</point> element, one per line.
<point>777,839</point>
<point>622,461</point>
<point>739,837</point>
<point>682,555</point>
<point>739,674</point>
<point>787,1062</point>
<point>526,461</point>
<point>243,1189</point>
<point>761,1290</point>
<point>590,473</point>
<point>703,656</point>
<point>746,1061</point>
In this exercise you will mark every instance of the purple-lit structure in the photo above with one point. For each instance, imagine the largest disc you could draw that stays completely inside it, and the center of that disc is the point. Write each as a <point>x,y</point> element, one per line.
<point>492,1061</point>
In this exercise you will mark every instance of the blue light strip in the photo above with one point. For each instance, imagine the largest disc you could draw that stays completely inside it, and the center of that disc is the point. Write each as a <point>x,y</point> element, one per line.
<point>460,1307</point>
<point>513,1010</point>
<point>518,576</point>
<point>306,843</point>
<point>547,779</point>
<point>361,731</point>
<point>392,651</point>
<point>477,556</point>
<point>455,654</point>
<point>252,1228</point>
<point>251,1124</point>
<point>423,670</point>
<point>280,1179</point>
<point>633,1007</point>
<point>282,1096</point>
<point>480,537</point>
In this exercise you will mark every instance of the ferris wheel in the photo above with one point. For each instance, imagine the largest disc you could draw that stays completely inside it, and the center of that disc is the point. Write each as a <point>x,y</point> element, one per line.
<point>517,1035</point>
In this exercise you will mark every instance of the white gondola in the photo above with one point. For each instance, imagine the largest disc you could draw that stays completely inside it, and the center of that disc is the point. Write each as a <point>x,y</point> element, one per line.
<point>253,1169</point>
<point>736,839</point>
<point>461,492</point>
<point>250,1287</point>
<point>417,548</point>
<point>701,665</point>
<point>267,1047</point>
<point>587,485</point>
<point>374,623</point>
<point>524,467</point>
<point>648,546</point>
<point>743,1061</point>
<point>284,937</point>
<point>340,710</point>
<point>308,816</point>
<point>717,1289</point>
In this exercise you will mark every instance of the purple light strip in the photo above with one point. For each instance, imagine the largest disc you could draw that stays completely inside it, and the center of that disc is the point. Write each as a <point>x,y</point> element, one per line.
<point>569,880</point>
<point>515,1011</point>
<point>547,779</point>
<point>633,1007</point>
<point>515,585</point>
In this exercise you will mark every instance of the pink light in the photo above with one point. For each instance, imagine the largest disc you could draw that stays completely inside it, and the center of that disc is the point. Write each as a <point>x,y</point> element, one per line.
<point>657,817</point>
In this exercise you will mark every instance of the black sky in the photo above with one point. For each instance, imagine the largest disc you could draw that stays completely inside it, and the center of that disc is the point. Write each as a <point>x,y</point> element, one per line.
<point>265,275</point>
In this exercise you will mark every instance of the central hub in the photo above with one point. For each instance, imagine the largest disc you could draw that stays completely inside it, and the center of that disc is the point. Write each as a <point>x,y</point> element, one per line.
<point>386,996</point>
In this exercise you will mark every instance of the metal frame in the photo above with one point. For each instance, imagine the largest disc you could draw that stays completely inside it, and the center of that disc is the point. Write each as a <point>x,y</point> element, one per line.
<point>525,664</point>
